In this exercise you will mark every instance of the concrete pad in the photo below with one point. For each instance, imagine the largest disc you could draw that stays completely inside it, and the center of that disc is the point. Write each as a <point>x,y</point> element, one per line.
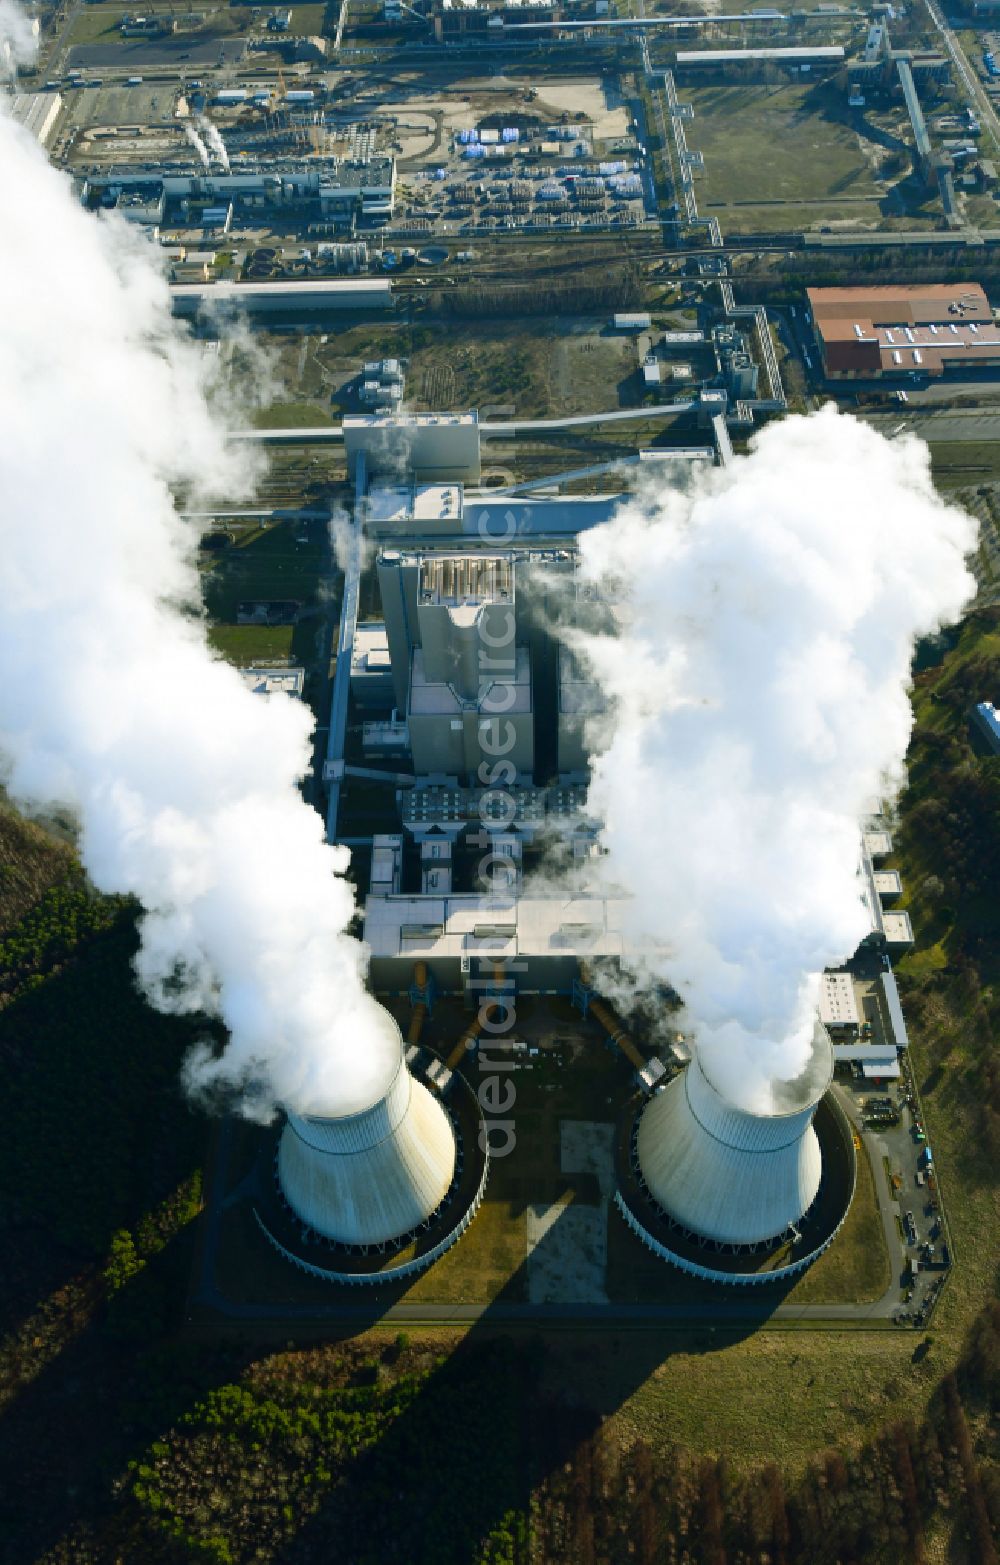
<point>586,1147</point>
<point>567,1254</point>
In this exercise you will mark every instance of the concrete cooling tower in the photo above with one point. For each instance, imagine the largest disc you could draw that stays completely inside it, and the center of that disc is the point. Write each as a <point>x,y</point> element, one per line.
<point>727,1175</point>
<point>370,1173</point>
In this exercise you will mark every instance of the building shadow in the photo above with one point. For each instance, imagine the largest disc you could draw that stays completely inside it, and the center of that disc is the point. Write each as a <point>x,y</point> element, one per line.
<point>506,1408</point>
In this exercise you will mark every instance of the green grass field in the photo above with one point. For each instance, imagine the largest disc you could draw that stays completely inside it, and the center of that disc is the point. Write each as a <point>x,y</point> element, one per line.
<point>246,644</point>
<point>786,157</point>
<point>307,21</point>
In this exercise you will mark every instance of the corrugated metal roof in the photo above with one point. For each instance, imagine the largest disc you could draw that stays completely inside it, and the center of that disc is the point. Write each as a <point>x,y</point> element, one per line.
<point>890,993</point>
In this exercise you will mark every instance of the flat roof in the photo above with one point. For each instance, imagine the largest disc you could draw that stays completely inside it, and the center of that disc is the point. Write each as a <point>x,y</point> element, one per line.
<point>400,503</point>
<point>874,1052</point>
<point>430,698</point>
<point>727,56</point>
<point>37,112</point>
<point>370,649</point>
<point>465,925</point>
<point>897,929</point>
<point>897,1025</point>
<point>882,1068</point>
<point>878,844</point>
<point>274,681</point>
<point>336,285</point>
<point>888,882</point>
<point>905,328</point>
<point>837,1004</point>
<point>913,302</point>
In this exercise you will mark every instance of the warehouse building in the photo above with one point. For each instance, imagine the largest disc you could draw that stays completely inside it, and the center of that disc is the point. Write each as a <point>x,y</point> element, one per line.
<point>924,329</point>
<point>37,112</point>
<point>440,612</point>
<point>354,293</point>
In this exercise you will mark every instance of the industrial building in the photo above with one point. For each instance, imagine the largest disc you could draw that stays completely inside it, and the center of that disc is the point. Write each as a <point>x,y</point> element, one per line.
<point>891,929</point>
<point>274,681</point>
<point>456,573</point>
<point>440,611</point>
<point>465,20</point>
<point>711,60</point>
<point>865,1023</point>
<point>463,935</point>
<point>37,112</point>
<point>344,193</point>
<point>339,293</point>
<point>431,445</point>
<point>925,329</point>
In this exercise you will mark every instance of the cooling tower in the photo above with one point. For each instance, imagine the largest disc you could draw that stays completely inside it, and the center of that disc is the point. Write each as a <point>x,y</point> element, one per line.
<point>370,1174</point>
<point>726,1174</point>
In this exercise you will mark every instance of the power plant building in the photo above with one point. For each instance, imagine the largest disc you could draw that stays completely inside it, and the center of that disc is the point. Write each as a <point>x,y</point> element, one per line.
<point>581,701</point>
<point>457,670</point>
<point>430,446</point>
<point>343,191</point>
<point>458,935</point>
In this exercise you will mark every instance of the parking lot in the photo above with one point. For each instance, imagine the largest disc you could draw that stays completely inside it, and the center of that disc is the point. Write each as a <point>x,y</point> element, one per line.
<point>906,1182</point>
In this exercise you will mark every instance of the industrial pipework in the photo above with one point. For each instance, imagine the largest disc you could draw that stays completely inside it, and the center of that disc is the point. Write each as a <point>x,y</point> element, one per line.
<point>470,1037</point>
<point>603,1014</point>
<point>419,1013</point>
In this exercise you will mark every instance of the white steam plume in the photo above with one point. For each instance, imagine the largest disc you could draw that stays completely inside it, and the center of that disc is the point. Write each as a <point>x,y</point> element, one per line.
<point>213,136</point>
<point>18,40</point>
<point>761,685</point>
<point>198,145</point>
<point>111,703</point>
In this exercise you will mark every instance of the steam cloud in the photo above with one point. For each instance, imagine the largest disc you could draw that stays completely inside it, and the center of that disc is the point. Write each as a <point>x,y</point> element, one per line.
<point>213,136</point>
<point>761,705</point>
<point>111,702</point>
<point>198,145</point>
<point>18,40</point>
